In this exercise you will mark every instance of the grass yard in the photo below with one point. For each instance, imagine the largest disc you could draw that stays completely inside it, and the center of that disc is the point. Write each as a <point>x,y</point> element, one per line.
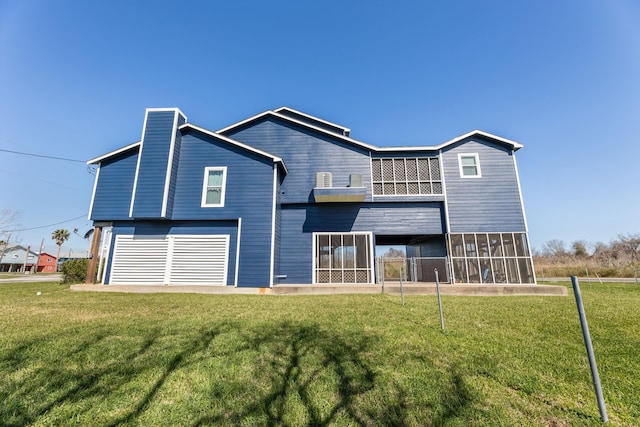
<point>74,358</point>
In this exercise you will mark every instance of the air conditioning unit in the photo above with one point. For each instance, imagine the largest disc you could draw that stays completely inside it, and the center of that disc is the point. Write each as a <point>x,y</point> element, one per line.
<point>323,180</point>
<point>355,180</point>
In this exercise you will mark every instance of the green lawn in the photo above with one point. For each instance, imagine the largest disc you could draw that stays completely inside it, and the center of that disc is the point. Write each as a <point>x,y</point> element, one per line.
<point>76,358</point>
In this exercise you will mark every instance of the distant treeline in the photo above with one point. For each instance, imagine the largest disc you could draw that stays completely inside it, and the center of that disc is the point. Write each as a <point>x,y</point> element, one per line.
<point>618,258</point>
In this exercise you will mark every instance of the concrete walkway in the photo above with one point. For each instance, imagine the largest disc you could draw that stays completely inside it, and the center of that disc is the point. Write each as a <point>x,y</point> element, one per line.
<point>389,288</point>
<point>25,278</point>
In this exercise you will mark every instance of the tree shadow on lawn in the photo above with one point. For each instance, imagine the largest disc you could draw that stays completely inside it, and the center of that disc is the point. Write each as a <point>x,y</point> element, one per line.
<point>317,377</point>
<point>65,379</point>
<point>297,374</point>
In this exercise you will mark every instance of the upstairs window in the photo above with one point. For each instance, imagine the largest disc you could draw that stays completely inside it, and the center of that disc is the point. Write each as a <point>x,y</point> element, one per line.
<point>406,176</point>
<point>214,186</point>
<point>469,165</point>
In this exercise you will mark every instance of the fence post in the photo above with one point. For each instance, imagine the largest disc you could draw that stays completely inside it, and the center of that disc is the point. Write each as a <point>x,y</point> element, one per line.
<point>587,342</point>
<point>401,288</point>
<point>635,274</point>
<point>439,299</point>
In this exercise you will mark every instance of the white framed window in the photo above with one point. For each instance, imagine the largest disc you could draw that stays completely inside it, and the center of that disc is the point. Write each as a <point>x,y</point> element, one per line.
<point>469,165</point>
<point>213,187</point>
<point>343,257</point>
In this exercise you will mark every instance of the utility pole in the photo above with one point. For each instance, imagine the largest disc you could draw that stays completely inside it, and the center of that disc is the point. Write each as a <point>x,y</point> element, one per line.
<point>6,245</point>
<point>39,255</point>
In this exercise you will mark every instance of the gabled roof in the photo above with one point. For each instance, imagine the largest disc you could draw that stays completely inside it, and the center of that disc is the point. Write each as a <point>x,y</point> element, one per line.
<point>232,141</point>
<point>306,124</point>
<point>309,124</point>
<point>318,125</point>
<point>113,153</point>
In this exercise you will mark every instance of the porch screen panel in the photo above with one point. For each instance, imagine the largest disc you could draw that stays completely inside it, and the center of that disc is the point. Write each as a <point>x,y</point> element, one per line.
<point>343,258</point>
<point>491,258</point>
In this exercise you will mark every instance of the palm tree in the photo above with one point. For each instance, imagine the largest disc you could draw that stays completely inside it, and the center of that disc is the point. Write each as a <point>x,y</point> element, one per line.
<point>60,236</point>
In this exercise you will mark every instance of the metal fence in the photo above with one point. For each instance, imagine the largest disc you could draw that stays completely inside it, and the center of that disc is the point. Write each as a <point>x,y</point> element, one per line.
<point>416,269</point>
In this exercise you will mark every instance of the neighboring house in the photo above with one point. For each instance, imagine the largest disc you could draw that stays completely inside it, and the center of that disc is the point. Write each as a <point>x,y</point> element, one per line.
<point>286,198</point>
<point>13,259</point>
<point>46,263</point>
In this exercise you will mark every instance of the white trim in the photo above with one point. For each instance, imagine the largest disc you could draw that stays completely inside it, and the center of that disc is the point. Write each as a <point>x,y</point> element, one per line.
<point>477,165</point>
<point>444,192</point>
<point>515,145</point>
<point>273,226</point>
<point>345,130</point>
<point>301,123</point>
<point>113,153</point>
<point>373,196</point>
<point>524,215</point>
<point>167,178</point>
<point>208,169</point>
<point>239,233</point>
<point>135,178</point>
<point>93,193</point>
<point>175,109</point>
<point>314,244</point>
<point>232,141</point>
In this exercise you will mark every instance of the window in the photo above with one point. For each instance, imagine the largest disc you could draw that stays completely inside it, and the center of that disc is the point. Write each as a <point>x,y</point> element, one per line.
<point>214,185</point>
<point>469,165</point>
<point>406,176</point>
<point>343,258</point>
<point>490,258</point>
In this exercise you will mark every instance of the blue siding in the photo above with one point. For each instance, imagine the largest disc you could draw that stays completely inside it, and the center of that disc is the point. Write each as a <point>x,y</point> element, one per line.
<point>300,221</point>
<point>112,199</point>
<point>174,165</point>
<point>489,203</point>
<point>165,228</point>
<point>306,152</point>
<point>249,195</point>
<point>152,171</point>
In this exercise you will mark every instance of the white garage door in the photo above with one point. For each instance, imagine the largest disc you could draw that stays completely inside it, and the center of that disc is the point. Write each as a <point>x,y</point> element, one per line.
<point>171,260</point>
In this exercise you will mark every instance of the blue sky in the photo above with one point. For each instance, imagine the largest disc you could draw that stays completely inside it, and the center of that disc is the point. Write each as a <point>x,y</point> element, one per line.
<point>560,77</point>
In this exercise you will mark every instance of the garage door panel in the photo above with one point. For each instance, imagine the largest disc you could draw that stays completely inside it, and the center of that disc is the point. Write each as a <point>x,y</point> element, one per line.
<point>173,260</point>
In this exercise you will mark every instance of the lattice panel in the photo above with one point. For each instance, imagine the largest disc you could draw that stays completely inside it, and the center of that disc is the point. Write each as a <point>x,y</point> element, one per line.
<point>389,188</point>
<point>349,276</point>
<point>437,188</point>
<point>425,188</point>
<point>413,188</point>
<point>362,276</point>
<point>387,169</point>
<point>412,170</point>
<point>399,173</point>
<point>434,168</point>
<point>423,169</point>
<point>376,169</point>
<point>336,276</point>
<point>377,188</point>
<point>323,276</point>
<point>401,188</point>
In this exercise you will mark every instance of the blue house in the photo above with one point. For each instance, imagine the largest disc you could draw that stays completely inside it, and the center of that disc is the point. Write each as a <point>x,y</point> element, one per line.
<point>287,198</point>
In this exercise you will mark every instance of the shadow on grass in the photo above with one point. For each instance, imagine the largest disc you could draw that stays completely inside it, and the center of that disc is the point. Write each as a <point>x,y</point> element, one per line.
<point>296,374</point>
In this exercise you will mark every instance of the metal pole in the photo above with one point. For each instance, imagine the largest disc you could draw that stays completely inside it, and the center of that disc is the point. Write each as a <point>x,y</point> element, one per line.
<point>587,342</point>
<point>401,288</point>
<point>439,299</point>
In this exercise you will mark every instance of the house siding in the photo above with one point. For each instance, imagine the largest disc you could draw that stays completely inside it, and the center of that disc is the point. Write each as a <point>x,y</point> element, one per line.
<point>152,170</point>
<point>112,198</point>
<point>486,204</point>
<point>299,222</point>
<point>248,195</point>
<point>306,152</point>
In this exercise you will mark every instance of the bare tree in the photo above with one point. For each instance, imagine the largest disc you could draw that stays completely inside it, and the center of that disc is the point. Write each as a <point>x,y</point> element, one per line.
<point>8,222</point>
<point>554,248</point>
<point>630,245</point>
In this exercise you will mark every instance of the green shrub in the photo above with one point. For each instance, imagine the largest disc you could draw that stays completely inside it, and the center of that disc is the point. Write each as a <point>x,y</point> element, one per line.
<point>74,270</point>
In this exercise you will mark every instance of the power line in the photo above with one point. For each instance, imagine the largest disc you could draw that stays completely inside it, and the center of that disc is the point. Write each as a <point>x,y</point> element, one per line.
<point>43,156</point>
<point>45,226</point>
